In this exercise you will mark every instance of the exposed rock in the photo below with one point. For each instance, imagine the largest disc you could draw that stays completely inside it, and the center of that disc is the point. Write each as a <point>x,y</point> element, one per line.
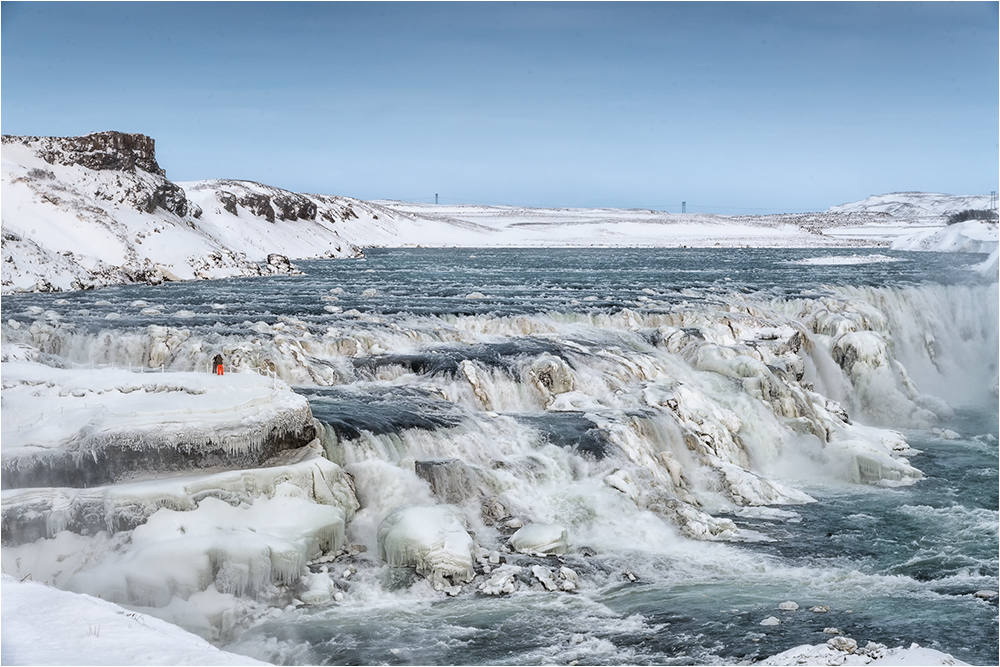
<point>258,204</point>
<point>227,199</point>
<point>841,643</point>
<point>552,375</point>
<point>99,151</point>
<point>280,264</point>
<point>170,198</point>
<point>450,480</point>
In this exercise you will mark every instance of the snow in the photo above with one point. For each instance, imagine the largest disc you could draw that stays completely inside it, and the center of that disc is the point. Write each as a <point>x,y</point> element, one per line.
<point>46,626</point>
<point>915,204</point>
<point>870,654</point>
<point>607,227</point>
<point>970,236</point>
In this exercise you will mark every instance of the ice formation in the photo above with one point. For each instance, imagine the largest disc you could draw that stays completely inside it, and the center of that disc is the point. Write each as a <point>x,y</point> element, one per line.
<point>846,651</point>
<point>540,538</point>
<point>221,499</point>
<point>114,424</point>
<point>433,540</point>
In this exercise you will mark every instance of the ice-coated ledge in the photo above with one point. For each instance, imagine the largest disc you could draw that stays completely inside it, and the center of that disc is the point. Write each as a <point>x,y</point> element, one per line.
<point>94,632</point>
<point>202,551</point>
<point>90,427</point>
<point>34,513</point>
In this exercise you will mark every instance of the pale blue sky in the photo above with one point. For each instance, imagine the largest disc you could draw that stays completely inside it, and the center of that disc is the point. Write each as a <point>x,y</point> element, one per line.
<point>732,107</point>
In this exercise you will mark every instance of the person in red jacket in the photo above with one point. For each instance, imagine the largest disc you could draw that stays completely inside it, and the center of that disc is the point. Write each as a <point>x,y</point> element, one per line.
<point>217,364</point>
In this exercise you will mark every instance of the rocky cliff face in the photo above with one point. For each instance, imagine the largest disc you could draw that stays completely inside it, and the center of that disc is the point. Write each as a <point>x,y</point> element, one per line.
<point>98,151</point>
<point>132,155</point>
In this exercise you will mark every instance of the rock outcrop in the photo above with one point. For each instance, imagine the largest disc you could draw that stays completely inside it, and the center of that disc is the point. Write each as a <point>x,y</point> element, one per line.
<point>119,151</point>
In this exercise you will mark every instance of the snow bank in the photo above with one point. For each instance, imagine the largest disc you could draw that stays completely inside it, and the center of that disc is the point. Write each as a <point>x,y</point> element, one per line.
<point>847,652</point>
<point>970,236</point>
<point>45,626</point>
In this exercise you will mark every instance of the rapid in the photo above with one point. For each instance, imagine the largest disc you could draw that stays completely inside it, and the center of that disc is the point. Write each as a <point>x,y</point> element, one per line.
<point>715,432</point>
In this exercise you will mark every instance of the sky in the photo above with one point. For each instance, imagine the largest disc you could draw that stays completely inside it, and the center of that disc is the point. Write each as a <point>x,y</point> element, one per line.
<point>746,107</point>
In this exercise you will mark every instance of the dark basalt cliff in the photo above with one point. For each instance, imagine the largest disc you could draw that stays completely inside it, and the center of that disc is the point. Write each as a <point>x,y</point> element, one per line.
<point>100,150</point>
<point>116,151</point>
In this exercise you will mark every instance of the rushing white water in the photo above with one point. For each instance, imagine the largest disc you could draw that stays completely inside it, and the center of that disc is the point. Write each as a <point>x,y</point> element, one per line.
<point>674,414</point>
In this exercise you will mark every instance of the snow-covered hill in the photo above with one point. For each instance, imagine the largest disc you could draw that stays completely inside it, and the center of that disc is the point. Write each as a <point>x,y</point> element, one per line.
<point>915,205</point>
<point>82,212</point>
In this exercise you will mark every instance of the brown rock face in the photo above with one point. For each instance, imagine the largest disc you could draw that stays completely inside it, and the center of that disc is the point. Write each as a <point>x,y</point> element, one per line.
<point>100,150</point>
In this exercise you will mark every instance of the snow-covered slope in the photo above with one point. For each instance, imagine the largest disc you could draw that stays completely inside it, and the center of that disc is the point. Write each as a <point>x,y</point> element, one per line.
<point>915,204</point>
<point>611,227</point>
<point>97,210</point>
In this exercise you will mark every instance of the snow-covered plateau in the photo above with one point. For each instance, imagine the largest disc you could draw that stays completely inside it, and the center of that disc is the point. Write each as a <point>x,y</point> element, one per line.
<point>97,210</point>
<point>500,453</point>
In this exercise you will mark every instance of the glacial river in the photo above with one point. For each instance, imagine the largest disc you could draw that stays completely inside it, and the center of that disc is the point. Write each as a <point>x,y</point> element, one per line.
<point>425,355</point>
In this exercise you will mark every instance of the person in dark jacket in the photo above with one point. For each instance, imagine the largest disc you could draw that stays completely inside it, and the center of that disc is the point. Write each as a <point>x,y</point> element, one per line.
<point>217,364</point>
